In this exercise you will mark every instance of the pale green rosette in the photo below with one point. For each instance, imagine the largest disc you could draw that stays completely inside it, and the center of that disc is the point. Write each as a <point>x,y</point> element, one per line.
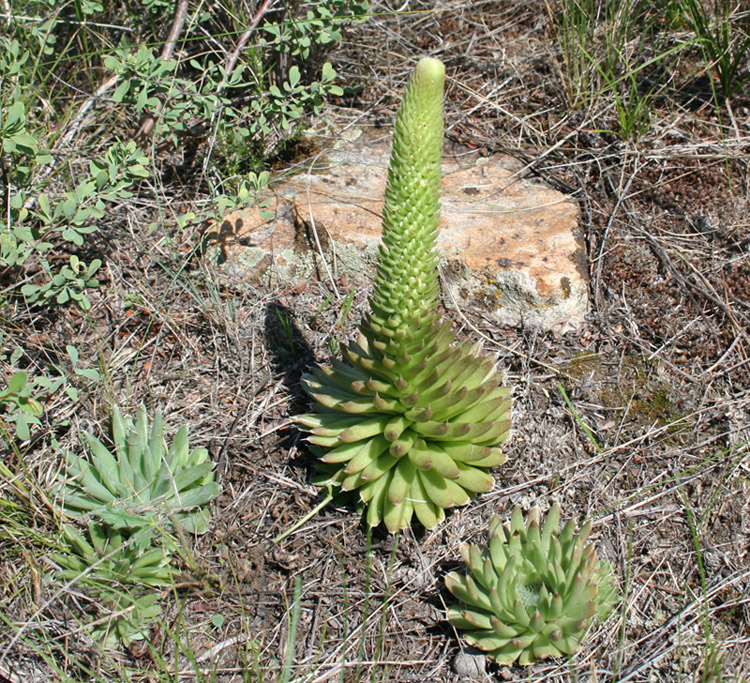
<point>533,592</point>
<point>143,480</point>
<point>410,418</point>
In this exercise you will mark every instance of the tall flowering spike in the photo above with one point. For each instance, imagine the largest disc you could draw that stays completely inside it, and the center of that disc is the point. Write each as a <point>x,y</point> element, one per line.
<point>531,593</point>
<point>410,418</point>
<point>407,282</point>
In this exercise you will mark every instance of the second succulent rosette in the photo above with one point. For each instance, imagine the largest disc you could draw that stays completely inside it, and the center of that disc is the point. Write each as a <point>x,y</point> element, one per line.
<point>534,591</point>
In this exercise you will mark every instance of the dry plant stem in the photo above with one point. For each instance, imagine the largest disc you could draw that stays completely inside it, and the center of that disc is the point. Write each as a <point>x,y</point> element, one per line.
<point>75,125</point>
<point>316,235</point>
<point>174,32</point>
<point>730,111</point>
<point>621,194</point>
<point>147,125</point>
<point>231,62</point>
<point>10,675</point>
<point>688,616</point>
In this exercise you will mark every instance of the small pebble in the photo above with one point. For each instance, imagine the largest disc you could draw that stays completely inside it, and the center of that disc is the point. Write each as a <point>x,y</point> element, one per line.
<point>470,666</point>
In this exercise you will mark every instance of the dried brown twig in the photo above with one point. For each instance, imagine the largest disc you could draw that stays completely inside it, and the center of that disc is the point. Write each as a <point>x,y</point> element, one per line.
<point>231,62</point>
<point>147,124</point>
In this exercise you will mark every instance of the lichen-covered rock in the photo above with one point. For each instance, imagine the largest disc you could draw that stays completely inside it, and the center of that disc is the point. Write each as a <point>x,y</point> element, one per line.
<point>506,244</point>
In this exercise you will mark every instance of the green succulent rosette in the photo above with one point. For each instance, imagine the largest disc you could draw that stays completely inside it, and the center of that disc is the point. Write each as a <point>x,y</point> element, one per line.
<point>143,481</point>
<point>410,418</point>
<point>124,580</point>
<point>533,592</point>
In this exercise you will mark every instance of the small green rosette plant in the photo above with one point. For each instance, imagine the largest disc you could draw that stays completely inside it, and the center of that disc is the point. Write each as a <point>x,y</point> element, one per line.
<point>124,581</point>
<point>143,482</point>
<point>410,418</point>
<point>533,592</point>
<point>136,500</point>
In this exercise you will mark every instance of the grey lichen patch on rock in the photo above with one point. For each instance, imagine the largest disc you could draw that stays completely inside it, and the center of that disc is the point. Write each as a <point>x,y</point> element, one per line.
<point>508,244</point>
<point>356,261</point>
<point>513,297</point>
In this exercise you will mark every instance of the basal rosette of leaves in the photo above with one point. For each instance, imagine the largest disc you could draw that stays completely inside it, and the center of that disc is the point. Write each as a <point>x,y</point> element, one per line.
<point>123,578</point>
<point>533,592</point>
<point>144,482</point>
<point>410,418</point>
<point>132,500</point>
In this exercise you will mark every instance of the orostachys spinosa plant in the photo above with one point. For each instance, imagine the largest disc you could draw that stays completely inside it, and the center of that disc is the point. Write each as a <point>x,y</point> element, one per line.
<point>410,418</point>
<point>533,592</point>
<point>143,479</point>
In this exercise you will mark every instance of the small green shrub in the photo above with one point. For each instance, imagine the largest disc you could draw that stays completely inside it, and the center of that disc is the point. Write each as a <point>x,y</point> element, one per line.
<point>28,391</point>
<point>24,408</point>
<point>247,108</point>
<point>40,224</point>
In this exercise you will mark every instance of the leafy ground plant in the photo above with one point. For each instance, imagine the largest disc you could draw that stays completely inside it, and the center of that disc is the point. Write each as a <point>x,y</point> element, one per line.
<point>25,408</point>
<point>533,592</point>
<point>143,483</point>
<point>123,580</point>
<point>412,418</point>
<point>133,500</point>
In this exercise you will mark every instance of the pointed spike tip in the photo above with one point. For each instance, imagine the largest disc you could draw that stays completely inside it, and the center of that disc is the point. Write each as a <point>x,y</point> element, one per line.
<point>431,70</point>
